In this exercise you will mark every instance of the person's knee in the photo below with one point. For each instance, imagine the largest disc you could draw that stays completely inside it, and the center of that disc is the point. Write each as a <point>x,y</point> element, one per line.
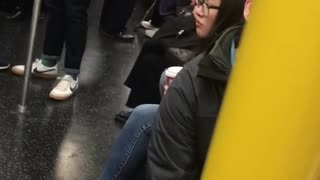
<point>144,111</point>
<point>143,114</point>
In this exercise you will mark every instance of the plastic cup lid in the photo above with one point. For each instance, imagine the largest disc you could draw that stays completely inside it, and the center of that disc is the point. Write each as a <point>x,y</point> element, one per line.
<point>173,71</point>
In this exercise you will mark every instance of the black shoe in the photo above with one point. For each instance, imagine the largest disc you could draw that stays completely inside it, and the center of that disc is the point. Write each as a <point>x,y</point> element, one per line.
<point>123,116</point>
<point>19,15</point>
<point>4,64</point>
<point>120,36</point>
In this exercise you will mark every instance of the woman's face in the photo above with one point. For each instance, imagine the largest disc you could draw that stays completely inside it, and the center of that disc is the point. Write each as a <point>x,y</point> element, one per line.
<point>206,16</point>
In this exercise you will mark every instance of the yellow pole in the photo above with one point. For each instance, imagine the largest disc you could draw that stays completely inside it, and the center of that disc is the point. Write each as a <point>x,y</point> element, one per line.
<point>269,127</point>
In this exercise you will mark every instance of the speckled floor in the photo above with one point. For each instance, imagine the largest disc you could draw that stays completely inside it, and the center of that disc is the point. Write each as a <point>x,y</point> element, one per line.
<point>63,140</point>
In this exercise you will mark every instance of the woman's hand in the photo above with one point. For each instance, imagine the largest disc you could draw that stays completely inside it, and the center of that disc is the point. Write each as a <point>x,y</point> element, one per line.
<point>165,89</point>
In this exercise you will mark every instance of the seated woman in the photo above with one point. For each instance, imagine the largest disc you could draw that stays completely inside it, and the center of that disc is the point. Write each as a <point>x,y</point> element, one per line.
<point>164,51</point>
<point>187,116</point>
<point>129,153</point>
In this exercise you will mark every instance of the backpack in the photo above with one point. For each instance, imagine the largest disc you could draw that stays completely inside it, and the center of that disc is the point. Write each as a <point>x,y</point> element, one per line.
<point>179,31</point>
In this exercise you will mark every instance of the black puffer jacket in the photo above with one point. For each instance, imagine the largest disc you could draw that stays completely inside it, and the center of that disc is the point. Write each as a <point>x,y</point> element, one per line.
<point>187,114</point>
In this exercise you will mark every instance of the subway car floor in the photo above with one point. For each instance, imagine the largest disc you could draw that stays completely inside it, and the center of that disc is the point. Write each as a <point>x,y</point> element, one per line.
<point>67,140</point>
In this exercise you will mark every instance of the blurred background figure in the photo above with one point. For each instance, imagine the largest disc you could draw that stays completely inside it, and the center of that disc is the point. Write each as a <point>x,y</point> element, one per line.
<point>4,64</point>
<point>114,17</point>
<point>17,10</point>
<point>161,10</point>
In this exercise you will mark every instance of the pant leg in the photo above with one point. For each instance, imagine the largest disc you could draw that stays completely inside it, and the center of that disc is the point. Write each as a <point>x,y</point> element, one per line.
<point>156,19</point>
<point>115,15</point>
<point>75,33</point>
<point>107,7</point>
<point>27,6</point>
<point>144,77</point>
<point>129,152</point>
<point>54,35</point>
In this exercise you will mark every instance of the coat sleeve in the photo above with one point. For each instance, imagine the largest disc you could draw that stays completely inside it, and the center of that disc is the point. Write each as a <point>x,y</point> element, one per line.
<point>171,153</point>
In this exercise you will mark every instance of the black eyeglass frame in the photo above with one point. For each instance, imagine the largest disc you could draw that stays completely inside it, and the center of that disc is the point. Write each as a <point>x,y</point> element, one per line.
<point>209,6</point>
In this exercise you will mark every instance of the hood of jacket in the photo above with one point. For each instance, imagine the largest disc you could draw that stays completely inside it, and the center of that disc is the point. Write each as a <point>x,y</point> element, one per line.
<point>217,64</point>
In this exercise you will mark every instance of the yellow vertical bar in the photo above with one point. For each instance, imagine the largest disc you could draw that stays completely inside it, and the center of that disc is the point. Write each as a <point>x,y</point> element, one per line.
<point>269,127</point>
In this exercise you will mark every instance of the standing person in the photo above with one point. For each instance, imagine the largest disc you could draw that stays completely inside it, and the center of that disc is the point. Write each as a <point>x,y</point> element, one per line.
<point>67,24</point>
<point>114,17</point>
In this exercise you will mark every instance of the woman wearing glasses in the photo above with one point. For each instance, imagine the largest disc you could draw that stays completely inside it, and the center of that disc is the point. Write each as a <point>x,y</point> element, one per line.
<point>169,160</point>
<point>173,45</point>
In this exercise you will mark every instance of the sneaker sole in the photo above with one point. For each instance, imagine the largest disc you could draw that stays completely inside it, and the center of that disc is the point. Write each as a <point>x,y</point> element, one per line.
<point>60,98</point>
<point>34,74</point>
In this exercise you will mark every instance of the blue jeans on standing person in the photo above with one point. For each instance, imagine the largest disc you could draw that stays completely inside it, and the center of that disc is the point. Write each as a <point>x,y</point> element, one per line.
<point>127,160</point>
<point>67,24</point>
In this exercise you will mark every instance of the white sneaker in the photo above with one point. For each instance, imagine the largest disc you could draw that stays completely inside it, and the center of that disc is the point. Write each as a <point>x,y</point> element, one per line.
<point>65,88</point>
<point>38,69</point>
<point>147,24</point>
<point>151,32</point>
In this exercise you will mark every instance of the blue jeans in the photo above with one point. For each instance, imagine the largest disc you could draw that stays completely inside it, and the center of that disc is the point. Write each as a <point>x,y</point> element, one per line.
<point>127,160</point>
<point>67,24</point>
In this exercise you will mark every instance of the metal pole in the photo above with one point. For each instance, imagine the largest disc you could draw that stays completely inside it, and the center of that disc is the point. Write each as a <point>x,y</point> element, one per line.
<point>22,108</point>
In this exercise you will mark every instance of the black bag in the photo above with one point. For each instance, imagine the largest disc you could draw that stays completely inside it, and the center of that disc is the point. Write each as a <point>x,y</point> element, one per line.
<point>179,31</point>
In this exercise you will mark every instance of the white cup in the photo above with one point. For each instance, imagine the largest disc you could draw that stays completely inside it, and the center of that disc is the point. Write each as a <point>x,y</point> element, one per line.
<point>171,73</point>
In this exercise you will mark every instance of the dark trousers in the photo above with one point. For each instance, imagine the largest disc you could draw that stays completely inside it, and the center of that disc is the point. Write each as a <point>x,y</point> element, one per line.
<point>67,24</point>
<point>115,15</point>
<point>156,19</point>
<point>144,77</point>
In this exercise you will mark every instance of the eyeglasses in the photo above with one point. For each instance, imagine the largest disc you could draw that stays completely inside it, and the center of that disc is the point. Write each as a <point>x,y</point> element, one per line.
<point>205,6</point>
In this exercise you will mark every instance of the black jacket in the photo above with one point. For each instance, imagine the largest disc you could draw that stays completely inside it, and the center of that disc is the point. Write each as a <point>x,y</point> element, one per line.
<point>187,115</point>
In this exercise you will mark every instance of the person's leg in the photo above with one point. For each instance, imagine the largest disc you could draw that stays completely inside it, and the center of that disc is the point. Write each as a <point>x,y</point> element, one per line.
<point>55,32</point>
<point>53,43</point>
<point>107,7</point>
<point>144,77</point>
<point>75,33</point>
<point>156,19</point>
<point>76,27</point>
<point>129,151</point>
<point>114,17</point>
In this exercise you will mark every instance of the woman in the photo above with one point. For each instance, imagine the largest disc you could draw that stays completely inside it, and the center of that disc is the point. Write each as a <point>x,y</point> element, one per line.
<point>187,116</point>
<point>158,54</point>
<point>128,156</point>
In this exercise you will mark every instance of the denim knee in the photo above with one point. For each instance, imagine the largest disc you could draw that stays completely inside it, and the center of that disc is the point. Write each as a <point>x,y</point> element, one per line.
<point>143,115</point>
